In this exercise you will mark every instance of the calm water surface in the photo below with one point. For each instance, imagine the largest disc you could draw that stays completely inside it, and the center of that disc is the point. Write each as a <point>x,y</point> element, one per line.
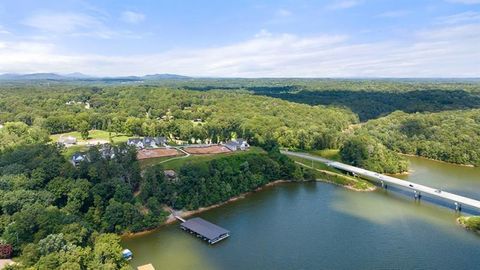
<point>320,226</point>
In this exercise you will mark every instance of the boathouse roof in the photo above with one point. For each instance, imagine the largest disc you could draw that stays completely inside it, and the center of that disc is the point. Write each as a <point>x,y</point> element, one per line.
<point>204,228</point>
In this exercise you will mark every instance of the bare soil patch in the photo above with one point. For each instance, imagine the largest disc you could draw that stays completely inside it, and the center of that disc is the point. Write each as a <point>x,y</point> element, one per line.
<point>156,153</point>
<point>213,149</point>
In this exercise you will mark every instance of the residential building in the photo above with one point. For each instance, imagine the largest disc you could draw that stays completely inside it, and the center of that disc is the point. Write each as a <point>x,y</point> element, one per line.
<point>77,158</point>
<point>137,142</point>
<point>148,142</point>
<point>238,144</point>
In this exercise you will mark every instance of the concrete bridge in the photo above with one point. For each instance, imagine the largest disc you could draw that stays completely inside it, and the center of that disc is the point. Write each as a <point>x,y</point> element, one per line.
<point>457,201</point>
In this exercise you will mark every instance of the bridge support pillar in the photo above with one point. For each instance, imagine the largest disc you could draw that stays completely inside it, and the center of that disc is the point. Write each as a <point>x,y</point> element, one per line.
<point>417,195</point>
<point>384,185</point>
<point>458,207</point>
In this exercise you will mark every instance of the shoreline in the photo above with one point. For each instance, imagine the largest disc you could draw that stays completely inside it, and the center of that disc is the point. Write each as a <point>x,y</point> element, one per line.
<point>407,172</point>
<point>436,160</point>
<point>461,221</point>
<point>346,186</point>
<point>350,187</point>
<point>185,214</point>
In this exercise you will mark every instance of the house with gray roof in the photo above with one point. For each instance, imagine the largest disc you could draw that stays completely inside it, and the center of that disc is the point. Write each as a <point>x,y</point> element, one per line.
<point>77,158</point>
<point>147,142</point>
<point>137,142</point>
<point>238,144</point>
<point>154,142</point>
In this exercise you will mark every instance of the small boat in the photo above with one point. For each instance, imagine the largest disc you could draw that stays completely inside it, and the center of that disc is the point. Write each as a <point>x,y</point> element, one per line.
<point>127,254</point>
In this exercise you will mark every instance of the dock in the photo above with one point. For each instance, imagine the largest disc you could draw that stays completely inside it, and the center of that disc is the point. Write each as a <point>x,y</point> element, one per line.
<point>146,267</point>
<point>205,230</point>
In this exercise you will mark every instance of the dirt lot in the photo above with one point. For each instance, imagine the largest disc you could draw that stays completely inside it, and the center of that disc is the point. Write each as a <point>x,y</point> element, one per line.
<point>156,153</point>
<point>214,149</point>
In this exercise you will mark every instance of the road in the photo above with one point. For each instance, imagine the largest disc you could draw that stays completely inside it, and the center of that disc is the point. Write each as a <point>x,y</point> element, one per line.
<point>456,200</point>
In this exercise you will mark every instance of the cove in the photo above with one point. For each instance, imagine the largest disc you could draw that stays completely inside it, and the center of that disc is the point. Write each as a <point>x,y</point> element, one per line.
<point>322,226</point>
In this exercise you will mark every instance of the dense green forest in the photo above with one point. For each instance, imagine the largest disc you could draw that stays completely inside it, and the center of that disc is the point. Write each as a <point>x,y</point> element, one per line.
<point>157,111</point>
<point>451,136</point>
<point>57,215</point>
<point>366,152</point>
<point>226,108</point>
<point>374,104</point>
<point>207,183</point>
<point>369,98</point>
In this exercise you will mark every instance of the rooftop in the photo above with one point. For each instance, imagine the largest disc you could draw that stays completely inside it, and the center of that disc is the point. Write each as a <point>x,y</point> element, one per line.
<point>204,228</point>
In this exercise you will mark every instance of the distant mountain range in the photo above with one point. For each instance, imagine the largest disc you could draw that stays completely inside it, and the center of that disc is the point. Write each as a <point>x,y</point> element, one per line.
<point>83,77</point>
<point>80,77</point>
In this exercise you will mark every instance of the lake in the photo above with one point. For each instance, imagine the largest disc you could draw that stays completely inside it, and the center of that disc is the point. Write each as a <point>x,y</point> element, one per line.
<point>321,226</point>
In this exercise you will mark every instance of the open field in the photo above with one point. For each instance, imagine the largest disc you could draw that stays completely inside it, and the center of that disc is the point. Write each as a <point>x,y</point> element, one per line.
<point>68,152</point>
<point>175,164</point>
<point>157,153</point>
<point>94,137</point>
<point>213,149</point>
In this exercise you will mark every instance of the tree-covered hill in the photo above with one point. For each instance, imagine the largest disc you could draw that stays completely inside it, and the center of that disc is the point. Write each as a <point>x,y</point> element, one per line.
<point>451,136</point>
<point>369,98</point>
<point>157,111</point>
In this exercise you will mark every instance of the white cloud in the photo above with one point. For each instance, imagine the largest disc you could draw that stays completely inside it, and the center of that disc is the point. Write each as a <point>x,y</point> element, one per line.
<point>464,17</point>
<point>393,14</point>
<point>445,51</point>
<point>263,33</point>
<point>75,25</point>
<point>132,17</point>
<point>61,22</point>
<point>283,13</point>
<point>467,2</point>
<point>343,4</point>
<point>3,31</point>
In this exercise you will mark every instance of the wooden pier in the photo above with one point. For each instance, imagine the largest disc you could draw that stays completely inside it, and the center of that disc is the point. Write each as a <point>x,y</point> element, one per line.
<point>146,267</point>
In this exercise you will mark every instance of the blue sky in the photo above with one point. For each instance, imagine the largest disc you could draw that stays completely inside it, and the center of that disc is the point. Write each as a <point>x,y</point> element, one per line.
<point>302,38</point>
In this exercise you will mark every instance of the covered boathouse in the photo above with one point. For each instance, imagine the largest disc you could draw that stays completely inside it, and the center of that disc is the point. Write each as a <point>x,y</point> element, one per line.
<point>205,230</point>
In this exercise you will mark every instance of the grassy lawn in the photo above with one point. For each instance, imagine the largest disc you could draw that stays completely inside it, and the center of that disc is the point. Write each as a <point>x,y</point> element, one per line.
<point>93,134</point>
<point>68,152</point>
<point>175,164</point>
<point>333,154</point>
<point>315,164</point>
<point>333,175</point>
<point>153,161</point>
